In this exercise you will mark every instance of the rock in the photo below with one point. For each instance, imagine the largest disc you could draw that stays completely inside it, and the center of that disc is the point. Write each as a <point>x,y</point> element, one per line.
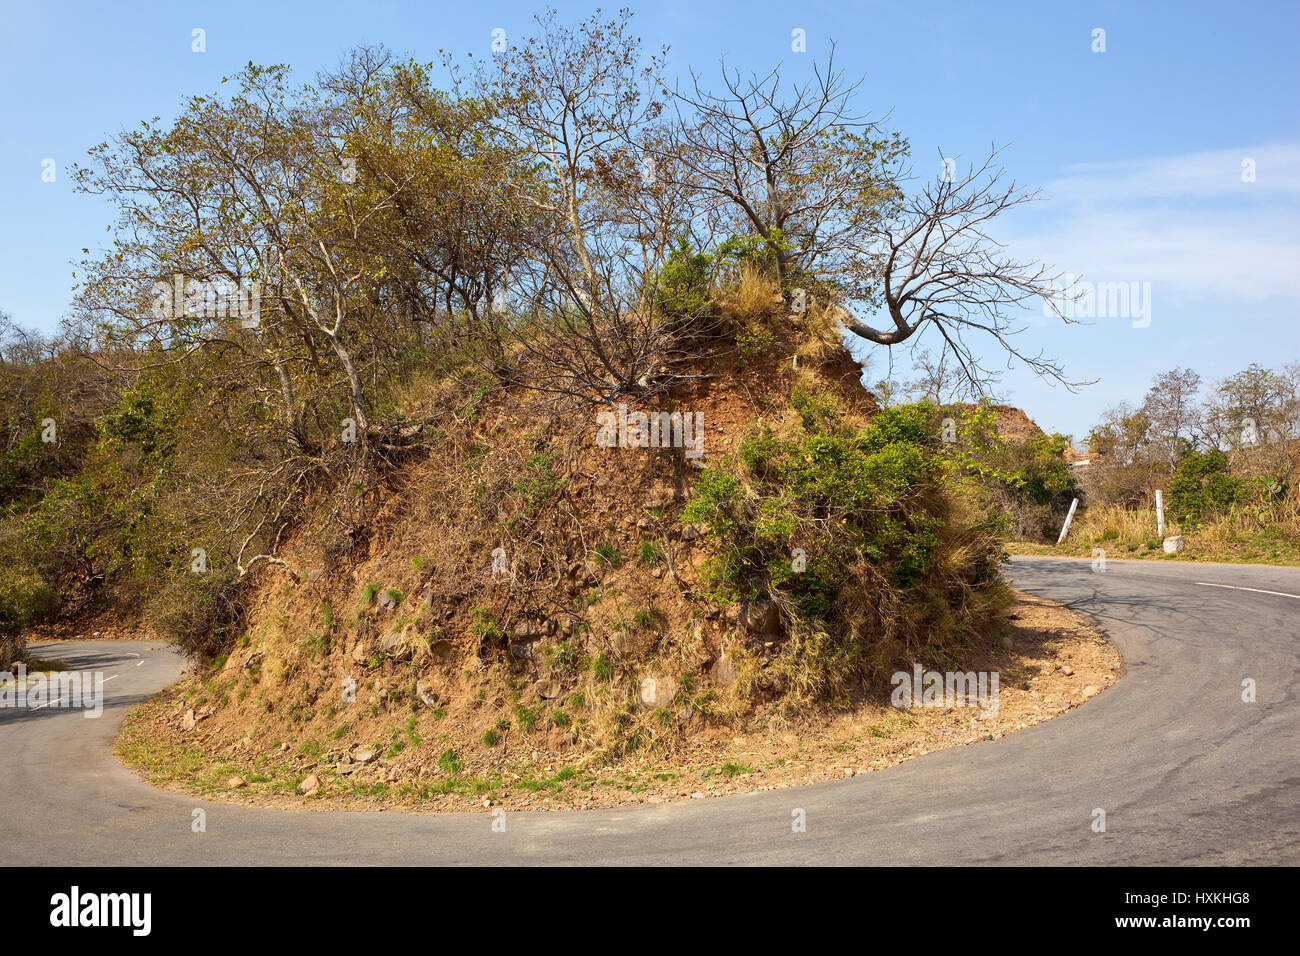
<point>315,575</point>
<point>189,721</point>
<point>346,768</point>
<point>234,783</point>
<point>548,689</point>
<point>724,672</point>
<point>309,786</point>
<point>365,755</point>
<point>1091,691</point>
<point>1175,545</point>
<point>283,747</point>
<point>697,795</point>
<point>760,617</point>
<point>526,632</point>
<point>360,653</point>
<point>383,600</point>
<point>1007,643</point>
<point>584,573</point>
<point>523,652</point>
<point>1067,670</point>
<point>691,531</point>
<point>428,694</point>
<point>657,692</point>
<point>395,647</point>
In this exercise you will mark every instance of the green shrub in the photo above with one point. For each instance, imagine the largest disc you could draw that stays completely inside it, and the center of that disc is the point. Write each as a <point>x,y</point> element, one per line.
<point>683,286</point>
<point>199,612</point>
<point>24,595</point>
<point>1202,487</point>
<point>857,536</point>
<point>754,340</point>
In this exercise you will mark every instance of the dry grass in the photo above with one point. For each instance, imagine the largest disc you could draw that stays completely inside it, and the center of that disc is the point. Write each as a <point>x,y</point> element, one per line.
<point>1050,661</point>
<point>753,298</point>
<point>1112,522</point>
<point>821,338</point>
<point>1268,534</point>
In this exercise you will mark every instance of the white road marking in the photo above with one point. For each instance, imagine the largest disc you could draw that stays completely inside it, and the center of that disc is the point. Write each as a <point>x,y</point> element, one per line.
<point>60,697</point>
<point>1230,587</point>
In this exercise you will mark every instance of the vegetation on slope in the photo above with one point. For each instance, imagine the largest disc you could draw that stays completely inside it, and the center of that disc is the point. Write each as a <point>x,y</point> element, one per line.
<point>314,291</point>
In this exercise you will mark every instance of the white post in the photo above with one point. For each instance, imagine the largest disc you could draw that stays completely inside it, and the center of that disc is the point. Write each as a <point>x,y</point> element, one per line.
<point>1068,518</point>
<point>1160,515</point>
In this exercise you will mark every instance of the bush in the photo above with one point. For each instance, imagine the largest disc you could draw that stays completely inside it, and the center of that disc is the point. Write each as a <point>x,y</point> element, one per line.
<point>199,612</point>
<point>1029,479</point>
<point>683,287</point>
<point>1202,487</point>
<point>852,534</point>
<point>24,595</point>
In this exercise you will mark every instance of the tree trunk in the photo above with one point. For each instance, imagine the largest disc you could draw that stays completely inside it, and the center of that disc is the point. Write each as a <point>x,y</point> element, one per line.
<point>354,380</point>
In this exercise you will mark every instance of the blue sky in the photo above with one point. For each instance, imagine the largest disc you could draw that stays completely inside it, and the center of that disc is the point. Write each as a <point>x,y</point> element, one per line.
<point>1138,150</point>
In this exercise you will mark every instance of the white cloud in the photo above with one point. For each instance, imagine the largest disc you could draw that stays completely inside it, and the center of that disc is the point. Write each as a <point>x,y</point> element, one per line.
<point>1187,224</point>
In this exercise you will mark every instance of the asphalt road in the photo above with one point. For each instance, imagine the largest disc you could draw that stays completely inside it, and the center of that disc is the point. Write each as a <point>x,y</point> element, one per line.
<point>1186,772</point>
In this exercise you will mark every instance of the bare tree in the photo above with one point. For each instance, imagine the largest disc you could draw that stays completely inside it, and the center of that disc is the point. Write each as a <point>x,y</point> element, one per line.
<point>822,188</point>
<point>940,379</point>
<point>942,268</point>
<point>801,171</point>
<point>1173,413</point>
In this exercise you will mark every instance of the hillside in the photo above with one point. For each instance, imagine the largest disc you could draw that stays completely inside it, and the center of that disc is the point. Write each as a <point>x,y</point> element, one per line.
<point>606,640</point>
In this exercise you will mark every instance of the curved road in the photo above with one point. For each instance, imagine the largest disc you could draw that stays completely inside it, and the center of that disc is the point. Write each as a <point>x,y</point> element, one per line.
<point>1185,770</point>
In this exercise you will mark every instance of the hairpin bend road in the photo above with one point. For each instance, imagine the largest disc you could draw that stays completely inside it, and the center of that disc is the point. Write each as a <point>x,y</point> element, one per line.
<point>1185,770</point>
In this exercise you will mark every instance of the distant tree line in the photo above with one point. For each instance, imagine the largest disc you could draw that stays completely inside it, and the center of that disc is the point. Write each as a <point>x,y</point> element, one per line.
<point>1237,442</point>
